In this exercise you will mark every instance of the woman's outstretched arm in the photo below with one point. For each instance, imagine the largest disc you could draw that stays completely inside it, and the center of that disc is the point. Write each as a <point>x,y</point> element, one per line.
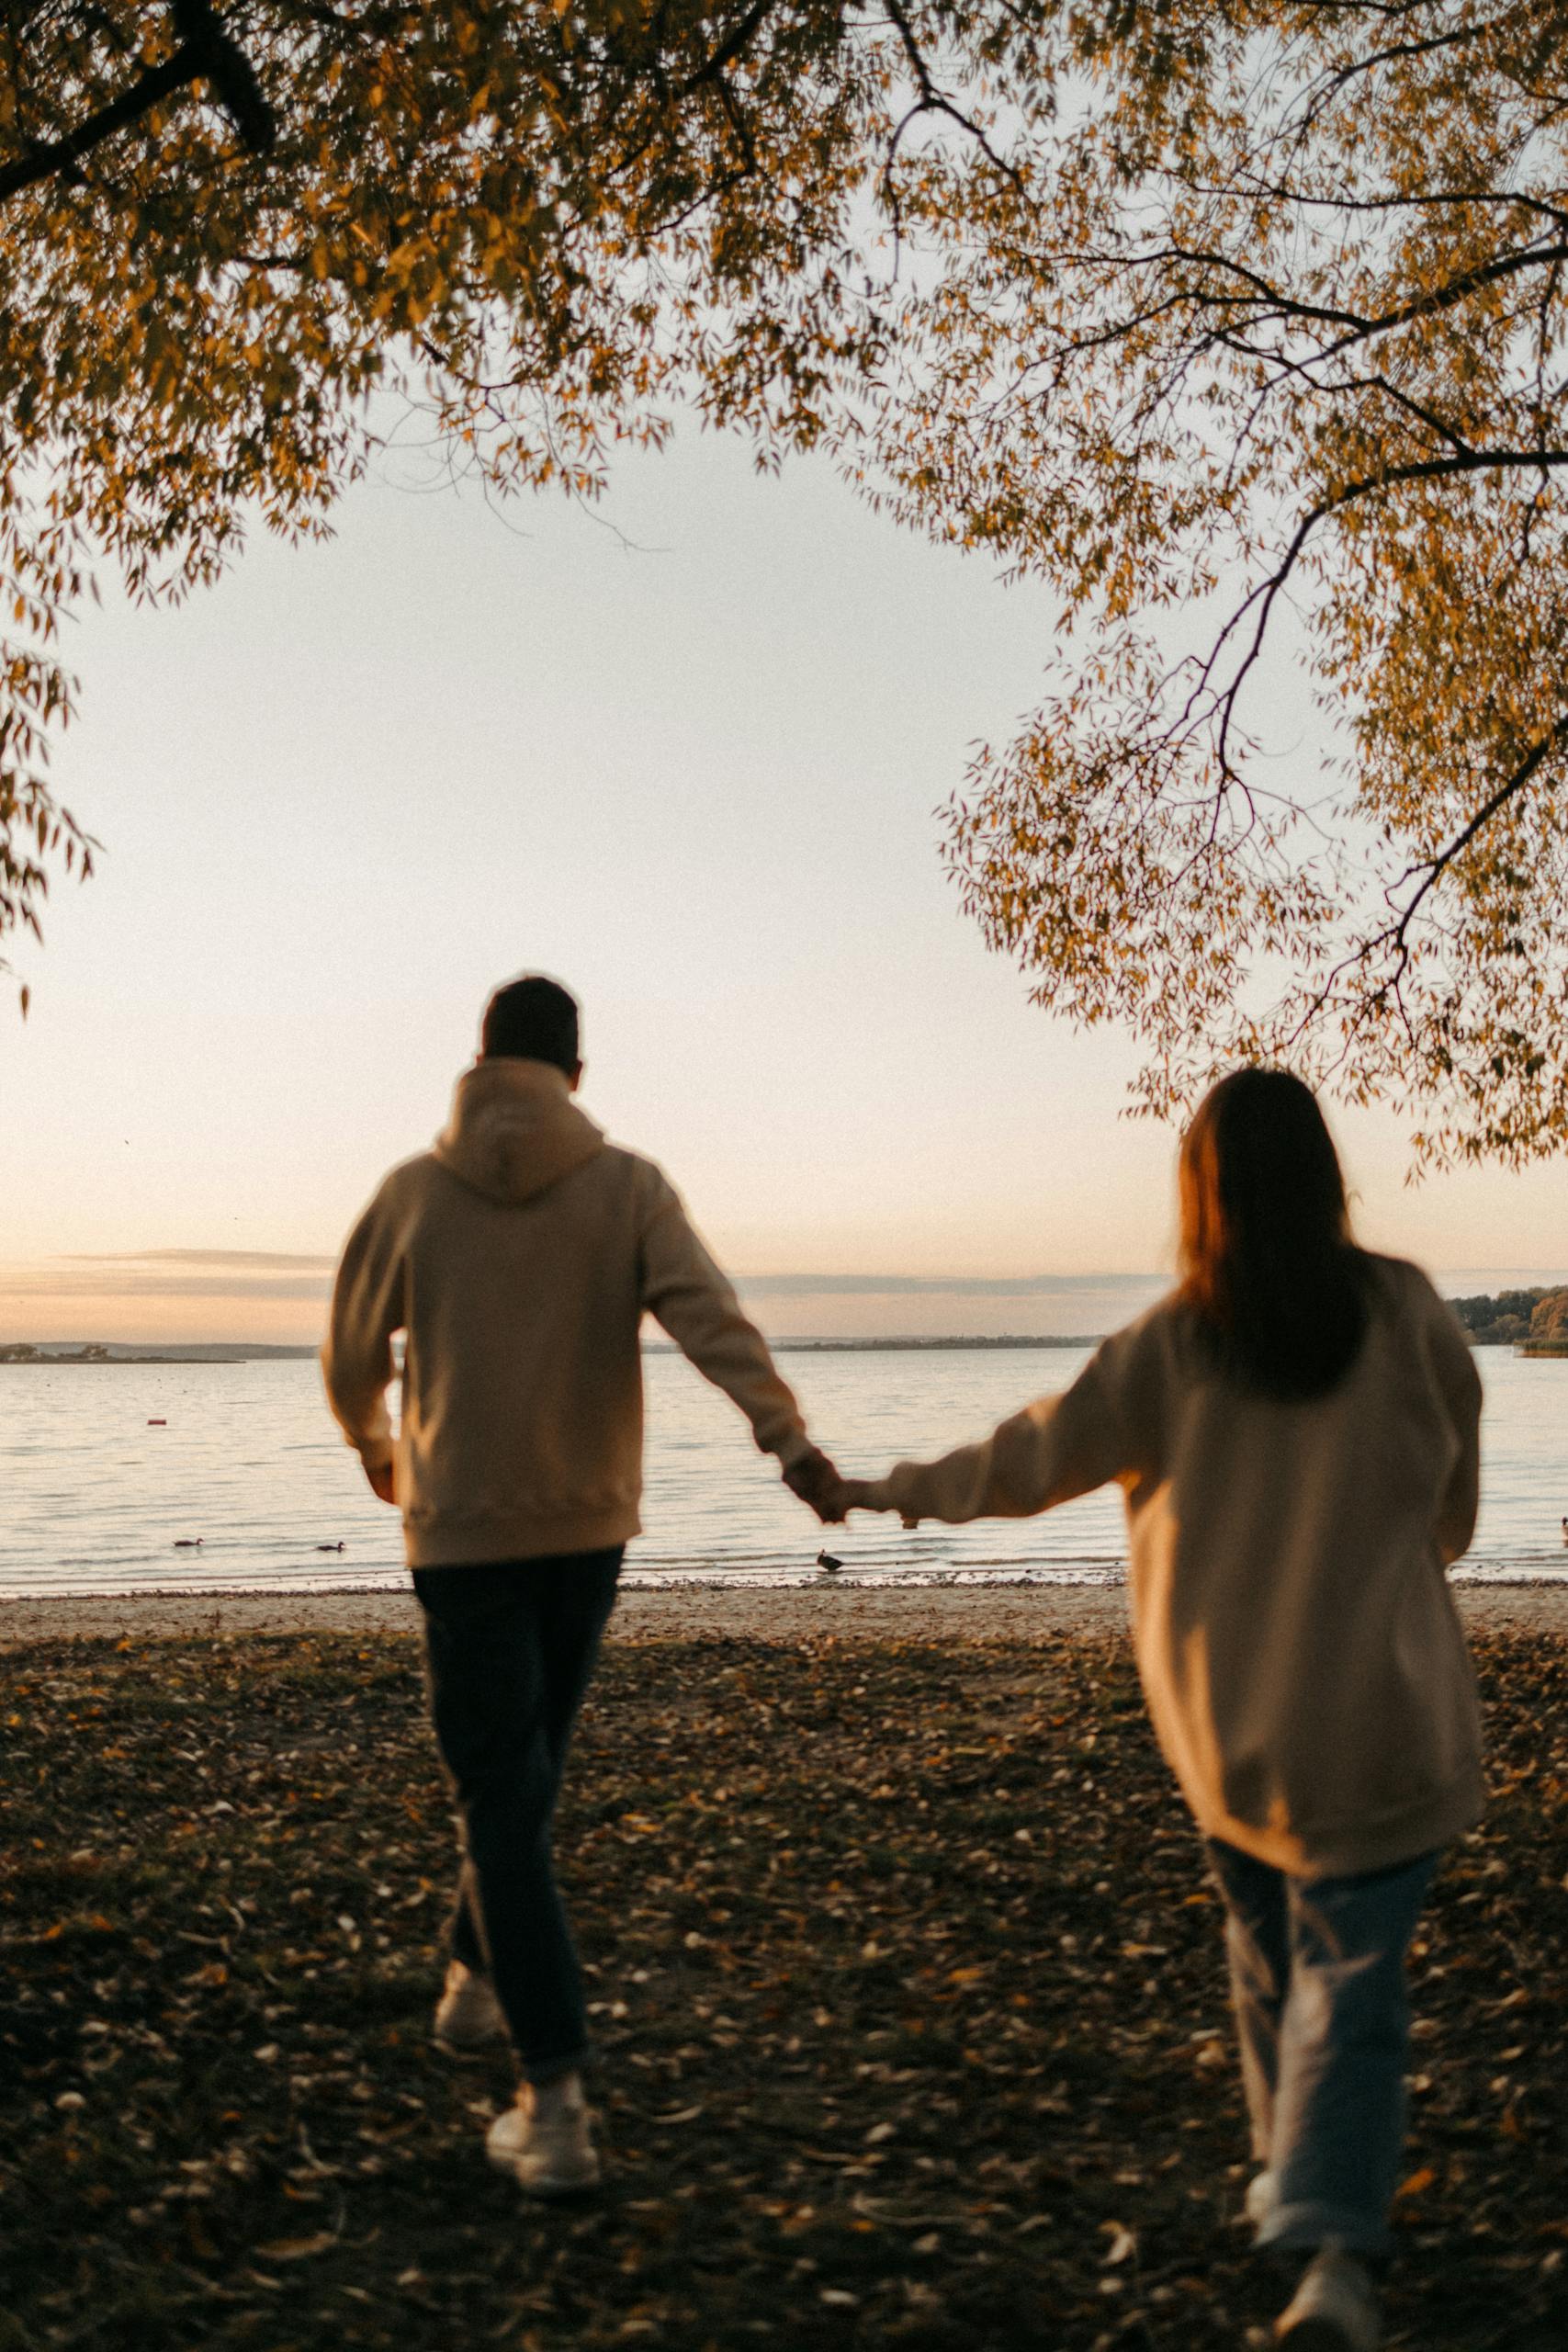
<point>1053,1450</point>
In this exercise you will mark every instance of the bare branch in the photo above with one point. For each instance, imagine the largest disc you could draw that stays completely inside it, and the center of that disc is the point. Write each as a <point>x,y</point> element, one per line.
<point>933,100</point>
<point>1395,937</point>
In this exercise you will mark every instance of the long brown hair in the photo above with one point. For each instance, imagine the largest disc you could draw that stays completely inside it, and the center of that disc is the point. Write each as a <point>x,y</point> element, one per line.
<point>1268,1266</point>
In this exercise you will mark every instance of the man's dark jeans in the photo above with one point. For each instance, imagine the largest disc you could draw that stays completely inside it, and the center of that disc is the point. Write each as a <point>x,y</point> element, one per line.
<point>511,1644</point>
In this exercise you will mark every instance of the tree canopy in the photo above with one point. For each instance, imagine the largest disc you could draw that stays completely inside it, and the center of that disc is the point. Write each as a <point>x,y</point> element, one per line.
<point>219,236</point>
<point>1238,325</point>
<point>1267,345</point>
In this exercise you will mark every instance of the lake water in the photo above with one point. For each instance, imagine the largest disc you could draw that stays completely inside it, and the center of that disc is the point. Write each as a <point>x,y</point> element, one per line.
<point>95,1499</point>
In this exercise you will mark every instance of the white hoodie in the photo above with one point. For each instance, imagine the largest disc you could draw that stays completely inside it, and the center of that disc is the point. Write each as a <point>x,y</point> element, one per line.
<point>1303,1661</point>
<point>519,1257</point>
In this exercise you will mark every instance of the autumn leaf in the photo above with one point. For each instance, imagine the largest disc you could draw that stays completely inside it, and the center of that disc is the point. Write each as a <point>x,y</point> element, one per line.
<point>959,2135</point>
<point>295,2249</point>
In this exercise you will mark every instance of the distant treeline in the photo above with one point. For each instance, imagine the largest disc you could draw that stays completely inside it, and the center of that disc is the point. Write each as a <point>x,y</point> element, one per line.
<point>1532,1318</point>
<point>56,1351</point>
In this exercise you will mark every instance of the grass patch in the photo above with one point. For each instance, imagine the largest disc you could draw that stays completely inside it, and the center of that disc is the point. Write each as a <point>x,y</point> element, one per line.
<point>907,1982</point>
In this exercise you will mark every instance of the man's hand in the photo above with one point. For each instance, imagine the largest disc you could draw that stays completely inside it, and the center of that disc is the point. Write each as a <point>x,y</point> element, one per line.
<point>381,1485</point>
<point>815,1480</point>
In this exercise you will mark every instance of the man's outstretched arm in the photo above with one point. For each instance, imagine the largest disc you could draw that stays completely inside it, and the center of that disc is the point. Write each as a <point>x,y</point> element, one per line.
<point>684,1290</point>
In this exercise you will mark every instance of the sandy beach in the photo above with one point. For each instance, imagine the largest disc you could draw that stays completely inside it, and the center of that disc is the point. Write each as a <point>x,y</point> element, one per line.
<point>690,1612</point>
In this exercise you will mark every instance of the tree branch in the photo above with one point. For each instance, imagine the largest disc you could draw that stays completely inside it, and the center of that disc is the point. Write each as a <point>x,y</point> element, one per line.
<point>728,49</point>
<point>932,98</point>
<point>1289,311</point>
<point>60,156</point>
<point>206,52</point>
<point>228,70</point>
<point>1432,869</point>
<point>1266,594</point>
<point>1395,936</point>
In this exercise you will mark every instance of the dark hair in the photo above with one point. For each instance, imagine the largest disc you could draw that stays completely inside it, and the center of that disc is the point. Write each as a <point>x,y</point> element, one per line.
<point>533,1019</point>
<point>1269,1267</point>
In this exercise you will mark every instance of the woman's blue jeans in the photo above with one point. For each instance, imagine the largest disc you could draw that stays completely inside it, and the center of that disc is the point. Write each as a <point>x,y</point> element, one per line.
<point>1317,1976</point>
<point>511,1644</point>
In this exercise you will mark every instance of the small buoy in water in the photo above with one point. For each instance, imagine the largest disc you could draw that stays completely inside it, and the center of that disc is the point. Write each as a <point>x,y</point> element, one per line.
<point>331,1547</point>
<point>158,1425</point>
<point>1566,1531</point>
<point>826,1560</point>
<point>189,1542</point>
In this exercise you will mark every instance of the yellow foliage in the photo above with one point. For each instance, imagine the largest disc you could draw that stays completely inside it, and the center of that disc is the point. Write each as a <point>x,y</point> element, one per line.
<point>1241,329</point>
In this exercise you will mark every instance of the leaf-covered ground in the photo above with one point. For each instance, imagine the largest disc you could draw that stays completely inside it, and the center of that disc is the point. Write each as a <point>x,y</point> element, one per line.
<point>907,1982</point>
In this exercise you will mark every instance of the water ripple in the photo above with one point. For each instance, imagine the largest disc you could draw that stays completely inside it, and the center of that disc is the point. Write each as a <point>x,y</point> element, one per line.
<point>98,1499</point>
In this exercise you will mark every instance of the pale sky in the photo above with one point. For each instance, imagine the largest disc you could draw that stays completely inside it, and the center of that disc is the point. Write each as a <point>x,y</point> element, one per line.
<point>348,790</point>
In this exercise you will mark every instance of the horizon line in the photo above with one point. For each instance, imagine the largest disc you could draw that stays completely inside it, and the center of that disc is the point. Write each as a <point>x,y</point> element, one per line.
<point>777,1283</point>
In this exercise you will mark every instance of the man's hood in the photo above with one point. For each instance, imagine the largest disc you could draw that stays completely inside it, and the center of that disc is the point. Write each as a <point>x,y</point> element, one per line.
<point>514,1130</point>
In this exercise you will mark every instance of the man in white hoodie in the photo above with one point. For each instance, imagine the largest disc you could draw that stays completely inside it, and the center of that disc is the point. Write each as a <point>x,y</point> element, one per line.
<point>518,1259</point>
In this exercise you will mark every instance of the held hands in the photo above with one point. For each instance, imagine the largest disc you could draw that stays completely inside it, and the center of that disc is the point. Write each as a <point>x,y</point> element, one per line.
<point>814,1479</point>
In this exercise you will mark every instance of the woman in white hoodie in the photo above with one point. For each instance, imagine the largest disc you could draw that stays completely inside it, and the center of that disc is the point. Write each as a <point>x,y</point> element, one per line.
<point>1294,1431</point>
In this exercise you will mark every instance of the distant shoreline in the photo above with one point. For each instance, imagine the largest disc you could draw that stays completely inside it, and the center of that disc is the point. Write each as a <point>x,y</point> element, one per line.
<point>47,1355</point>
<point>17,1355</point>
<point>43,1356</point>
<point>95,1364</point>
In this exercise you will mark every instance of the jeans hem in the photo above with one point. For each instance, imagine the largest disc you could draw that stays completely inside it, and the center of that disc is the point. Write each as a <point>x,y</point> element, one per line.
<point>1306,2225</point>
<point>541,2072</point>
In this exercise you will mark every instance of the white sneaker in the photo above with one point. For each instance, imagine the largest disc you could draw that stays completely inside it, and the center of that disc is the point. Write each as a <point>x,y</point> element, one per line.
<point>467,2016</point>
<point>1262,2196</point>
<point>543,2140</point>
<point>1333,2309</point>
